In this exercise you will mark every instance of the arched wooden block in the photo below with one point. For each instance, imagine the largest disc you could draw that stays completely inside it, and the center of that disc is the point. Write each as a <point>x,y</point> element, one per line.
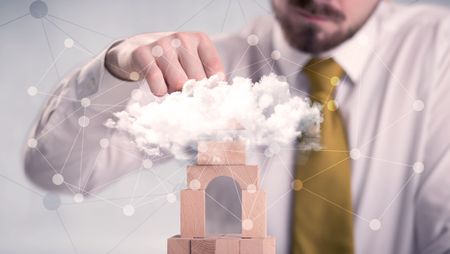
<point>243,175</point>
<point>221,153</point>
<point>254,214</point>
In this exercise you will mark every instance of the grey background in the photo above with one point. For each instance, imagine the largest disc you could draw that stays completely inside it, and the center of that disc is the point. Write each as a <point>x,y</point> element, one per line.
<point>28,47</point>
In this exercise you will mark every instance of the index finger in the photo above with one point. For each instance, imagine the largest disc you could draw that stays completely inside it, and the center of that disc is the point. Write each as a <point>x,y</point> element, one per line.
<point>210,57</point>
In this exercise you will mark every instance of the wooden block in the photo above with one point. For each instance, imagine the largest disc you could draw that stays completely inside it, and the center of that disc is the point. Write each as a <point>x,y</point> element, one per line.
<point>192,214</point>
<point>221,153</point>
<point>254,214</point>
<point>215,245</point>
<point>244,175</point>
<point>178,245</point>
<point>257,245</point>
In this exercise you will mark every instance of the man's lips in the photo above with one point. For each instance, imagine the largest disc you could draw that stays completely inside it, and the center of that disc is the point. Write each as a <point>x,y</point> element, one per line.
<point>308,15</point>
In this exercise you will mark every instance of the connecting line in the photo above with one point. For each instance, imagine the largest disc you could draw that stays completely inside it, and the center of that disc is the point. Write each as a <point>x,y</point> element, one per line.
<point>67,232</point>
<point>336,205</point>
<point>324,170</point>
<point>388,161</point>
<point>137,227</point>
<point>15,19</point>
<point>81,152</point>
<point>50,48</point>
<point>273,204</point>
<point>397,195</point>
<point>91,193</point>
<point>21,185</point>
<point>67,34</point>
<point>242,11</point>
<point>94,165</point>
<point>70,150</point>
<point>195,15</point>
<point>226,16</point>
<point>58,124</point>
<point>223,207</point>
<point>80,26</point>
<point>51,66</point>
<point>261,182</point>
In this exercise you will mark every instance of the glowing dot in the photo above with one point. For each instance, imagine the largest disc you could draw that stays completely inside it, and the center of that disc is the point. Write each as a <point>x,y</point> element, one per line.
<point>134,76</point>
<point>38,9</point>
<point>176,43</point>
<point>355,154</point>
<point>147,163</point>
<point>418,105</point>
<point>268,152</point>
<point>276,55</point>
<point>51,201</point>
<point>274,148</point>
<point>78,198</point>
<point>171,198</point>
<point>57,179</point>
<point>375,224</point>
<point>128,210</point>
<point>83,121</point>
<point>104,143</point>
<point>32,143</point>
<point>251,188</point>
<point>32,91</point>
<point>418,167</point>
<point>247,224</point>
<point>68,43</point>
<point>85,102</point>
<point>332,105</point>
<point>157,51</point>
<point>282,78</point>
<point>297,185</point>
<point>194,184</point>
<point>334,81</point>
<point>252,39</point>
<point>136,94</point>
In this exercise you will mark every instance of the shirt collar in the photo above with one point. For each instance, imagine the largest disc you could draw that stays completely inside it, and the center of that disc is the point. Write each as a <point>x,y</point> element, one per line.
<point>352,55</point>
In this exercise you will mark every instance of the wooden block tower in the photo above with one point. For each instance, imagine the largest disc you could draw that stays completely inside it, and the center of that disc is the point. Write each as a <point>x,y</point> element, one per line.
<point>214,159</point>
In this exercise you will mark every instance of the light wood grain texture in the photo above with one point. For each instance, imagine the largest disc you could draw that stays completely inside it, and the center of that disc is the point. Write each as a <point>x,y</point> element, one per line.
<point>178,245</point>
<point>192,214</point>
<point>221,153</point>
<point>243,175</point>
<point>257,245</point>
<point>215,245</point>
<point>254,214</point>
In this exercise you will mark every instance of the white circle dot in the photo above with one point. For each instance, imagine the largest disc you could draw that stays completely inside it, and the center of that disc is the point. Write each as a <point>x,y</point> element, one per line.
<point>134,76</point>
<point>57,179</point>
<point>251,188</point>
<point>85,102</point>
<point>252,39</point>
<point>157,51</point>
<point>104,143</point>
<point>32,143</point>
<point>176,43</point>
<point>355,154</point>
<point>418,105</point>
<point>418,167</point>
<point>83,121</point>
<point>32,91</point>
<point>128,210</point>
<point>194,184</point>
<point>171,198</point>
<point>247,224</point>
<point>68,43</point>
<point>274,148</point>
<point>147,163</point>
<point>78,198</point>
<point>375,224</point>
<point>136,95</point>
<point>282,78</point>
<point>276,55</point>
<point>268,152</point>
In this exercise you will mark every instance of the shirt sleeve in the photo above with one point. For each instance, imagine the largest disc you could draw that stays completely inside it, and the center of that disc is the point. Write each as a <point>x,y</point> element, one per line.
<point>433,198</point>
<point>70,148</point>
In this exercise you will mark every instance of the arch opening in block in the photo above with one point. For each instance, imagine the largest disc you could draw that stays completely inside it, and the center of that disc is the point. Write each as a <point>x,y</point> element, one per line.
<point>223,206</point>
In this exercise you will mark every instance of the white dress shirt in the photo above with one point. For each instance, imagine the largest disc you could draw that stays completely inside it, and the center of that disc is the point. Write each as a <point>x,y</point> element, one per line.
<point>395,101</point>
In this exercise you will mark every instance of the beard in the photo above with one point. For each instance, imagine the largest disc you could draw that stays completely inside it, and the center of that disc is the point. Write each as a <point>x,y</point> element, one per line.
<point>309,37</point>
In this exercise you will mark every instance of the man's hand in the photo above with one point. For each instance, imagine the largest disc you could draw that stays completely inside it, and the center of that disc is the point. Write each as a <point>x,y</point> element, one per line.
<point>165,60</point>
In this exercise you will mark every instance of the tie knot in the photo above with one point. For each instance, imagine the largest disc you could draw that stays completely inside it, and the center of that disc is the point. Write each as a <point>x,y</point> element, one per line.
<point>324,75</point>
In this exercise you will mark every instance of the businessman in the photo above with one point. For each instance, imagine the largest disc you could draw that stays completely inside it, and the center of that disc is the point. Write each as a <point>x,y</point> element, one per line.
<point>382,71</point>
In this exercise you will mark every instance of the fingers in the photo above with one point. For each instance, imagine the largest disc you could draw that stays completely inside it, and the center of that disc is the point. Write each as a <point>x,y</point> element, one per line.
<point>209,56</point>
<point>173,72</point>
<point>145,64</point>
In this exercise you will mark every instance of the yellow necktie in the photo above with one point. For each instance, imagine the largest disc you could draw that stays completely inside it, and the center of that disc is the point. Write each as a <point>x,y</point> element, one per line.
<point>322,208</point>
